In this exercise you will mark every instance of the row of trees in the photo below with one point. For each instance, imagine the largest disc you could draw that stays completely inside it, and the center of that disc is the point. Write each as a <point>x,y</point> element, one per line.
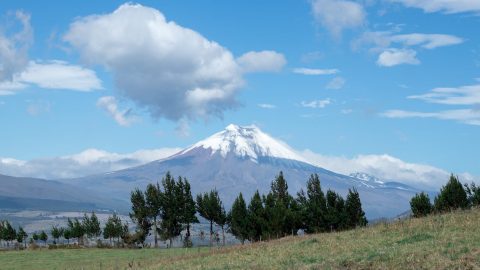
<point>452,196</point>
<point>278,213</point>
<point>170,209</point>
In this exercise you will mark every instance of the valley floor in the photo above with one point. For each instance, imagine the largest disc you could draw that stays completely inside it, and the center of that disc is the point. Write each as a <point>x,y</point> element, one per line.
<point>436,242</point>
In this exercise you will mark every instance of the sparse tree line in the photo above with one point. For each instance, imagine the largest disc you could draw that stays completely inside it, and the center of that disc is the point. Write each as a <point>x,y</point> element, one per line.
<point>452,196</point>
<point>168,208</point>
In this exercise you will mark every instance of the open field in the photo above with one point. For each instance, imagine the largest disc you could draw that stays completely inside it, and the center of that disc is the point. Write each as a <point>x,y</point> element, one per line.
<point>437,242</point>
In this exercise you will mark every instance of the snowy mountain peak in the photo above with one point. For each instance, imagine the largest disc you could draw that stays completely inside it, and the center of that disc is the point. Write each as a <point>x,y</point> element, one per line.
<point>246,142</point>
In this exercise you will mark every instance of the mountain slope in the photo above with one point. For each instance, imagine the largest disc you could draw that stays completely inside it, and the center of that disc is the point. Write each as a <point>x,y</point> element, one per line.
<point>244,159</point>
<point>20,193</point>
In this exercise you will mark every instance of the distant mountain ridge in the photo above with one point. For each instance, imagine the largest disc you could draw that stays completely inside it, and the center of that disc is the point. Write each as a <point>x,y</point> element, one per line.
<point>245,159</point>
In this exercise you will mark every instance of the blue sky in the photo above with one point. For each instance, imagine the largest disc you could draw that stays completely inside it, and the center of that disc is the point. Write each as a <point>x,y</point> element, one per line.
<point>339,78</point>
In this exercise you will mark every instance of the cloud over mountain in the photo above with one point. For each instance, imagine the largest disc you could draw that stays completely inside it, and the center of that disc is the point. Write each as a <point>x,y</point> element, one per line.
<point>172,71</point>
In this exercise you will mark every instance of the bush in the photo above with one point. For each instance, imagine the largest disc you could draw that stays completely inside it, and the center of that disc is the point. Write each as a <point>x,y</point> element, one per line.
<point>420,205</point>
<point>452,196</point>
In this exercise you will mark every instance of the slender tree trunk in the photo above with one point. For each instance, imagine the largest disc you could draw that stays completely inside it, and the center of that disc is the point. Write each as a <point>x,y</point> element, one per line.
<point>223,235</point>
<point>211,232</point>
<point>155,231</point>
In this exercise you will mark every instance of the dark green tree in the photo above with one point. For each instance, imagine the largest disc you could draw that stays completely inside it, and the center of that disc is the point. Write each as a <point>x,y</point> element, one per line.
<point>314,206</point>
<point>22,236</point>
<point>353,209</point>
<point>171,201</point>
<point>336,216</point>
<point>56,233</point>
<point>420,205</point>
<point>35,237</point>
<point>113,228</point>
<point>76,229</point>
<point>43,237</point>
<point>152,198</point>
<point>238,218</point>
<point>8,232</point>
<point>140,215</point>
<point>452,196</point>
<point>187,208</point>
<point>67,234</point>
<point>209,206</point>
<point>473,193</point>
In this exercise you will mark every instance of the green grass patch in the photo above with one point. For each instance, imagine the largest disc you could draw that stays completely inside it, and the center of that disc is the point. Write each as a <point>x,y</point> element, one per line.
<point>449,241</point>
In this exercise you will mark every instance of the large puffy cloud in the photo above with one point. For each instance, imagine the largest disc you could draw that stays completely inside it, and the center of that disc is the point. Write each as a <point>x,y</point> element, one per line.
<point>172,71</point>
<point>337,15</point>
<point>447,6</point>
<point>88,162</point>
<point>388,168</point>
<point>14,48</point>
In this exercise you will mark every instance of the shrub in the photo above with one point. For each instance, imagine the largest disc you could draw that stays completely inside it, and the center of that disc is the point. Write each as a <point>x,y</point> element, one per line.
<point>420,205</point>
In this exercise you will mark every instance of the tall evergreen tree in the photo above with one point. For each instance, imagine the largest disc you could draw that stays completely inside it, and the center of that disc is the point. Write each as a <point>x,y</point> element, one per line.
<point>187,207</point>
<point>336,216</point>
<point>452,196</point>
<point>256,225</point>
<point>209,206</point>
<point>140,215</point>
<point>353,209</point>
<point>238,218</point>
<point>91,225</point>
<point>316,207</point>
<point>153,203</point>
<point>170,226</point>
<point>76,229</point>
<point>420,205</point>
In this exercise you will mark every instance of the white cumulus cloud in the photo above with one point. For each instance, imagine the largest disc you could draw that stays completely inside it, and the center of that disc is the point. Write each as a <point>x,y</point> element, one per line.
<point>172,71</point>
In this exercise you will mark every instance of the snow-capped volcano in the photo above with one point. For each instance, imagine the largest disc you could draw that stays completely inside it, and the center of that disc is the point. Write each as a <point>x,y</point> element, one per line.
<point>245,159</point>
<point>246,142</point>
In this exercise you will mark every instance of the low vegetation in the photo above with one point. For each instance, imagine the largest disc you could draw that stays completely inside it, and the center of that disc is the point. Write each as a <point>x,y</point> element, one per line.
<point>444,241</point>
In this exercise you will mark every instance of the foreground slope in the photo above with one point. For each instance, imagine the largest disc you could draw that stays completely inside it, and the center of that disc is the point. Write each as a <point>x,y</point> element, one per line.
<point>449,241</point>
<point>244,159</point>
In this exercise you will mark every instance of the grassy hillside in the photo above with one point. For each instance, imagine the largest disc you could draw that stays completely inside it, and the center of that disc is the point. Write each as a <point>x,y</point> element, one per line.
<point>437,242</point>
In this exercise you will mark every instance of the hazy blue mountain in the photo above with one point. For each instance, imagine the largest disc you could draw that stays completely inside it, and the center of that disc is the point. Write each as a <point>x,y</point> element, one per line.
<point>244,159</point>
<point>20,193</point>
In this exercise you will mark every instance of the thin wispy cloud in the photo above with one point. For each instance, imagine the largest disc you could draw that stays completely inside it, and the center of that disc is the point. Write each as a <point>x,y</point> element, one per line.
<point>315,71</point>
<point>336,83</point>
<point>445,6</point>
<point>122,117</point>
<point>466,116</point>
<point>464,95</point>
<point>266,106</point>
<point>316,104</point>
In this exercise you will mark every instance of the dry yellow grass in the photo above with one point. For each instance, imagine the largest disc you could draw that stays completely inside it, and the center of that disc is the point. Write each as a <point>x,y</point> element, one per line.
<point>449,241</point>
